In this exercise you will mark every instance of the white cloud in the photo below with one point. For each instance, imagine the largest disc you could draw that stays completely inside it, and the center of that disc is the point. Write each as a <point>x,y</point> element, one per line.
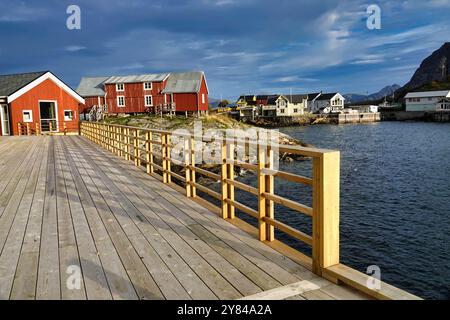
<point>74,48</point>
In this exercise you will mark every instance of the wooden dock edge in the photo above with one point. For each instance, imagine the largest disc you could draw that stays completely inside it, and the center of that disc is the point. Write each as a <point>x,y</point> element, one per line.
<point>358,280</point>
<point>339,273</point>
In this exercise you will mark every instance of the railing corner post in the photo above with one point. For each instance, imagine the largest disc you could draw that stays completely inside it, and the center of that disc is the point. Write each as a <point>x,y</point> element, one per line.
<point>326,179</point>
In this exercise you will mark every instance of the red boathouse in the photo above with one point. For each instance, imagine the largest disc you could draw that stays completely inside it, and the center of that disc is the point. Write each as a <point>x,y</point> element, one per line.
<point>37,101</point>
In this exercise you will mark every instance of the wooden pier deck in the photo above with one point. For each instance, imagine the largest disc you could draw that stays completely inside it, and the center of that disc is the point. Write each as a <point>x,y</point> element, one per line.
<point>68,205</point>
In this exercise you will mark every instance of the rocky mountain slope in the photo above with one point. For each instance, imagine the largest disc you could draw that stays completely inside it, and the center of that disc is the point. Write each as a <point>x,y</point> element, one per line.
<point>434,68</point>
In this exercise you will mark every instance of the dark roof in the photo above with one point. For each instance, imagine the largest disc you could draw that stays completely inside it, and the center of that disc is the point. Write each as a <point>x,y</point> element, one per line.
<point>247,98</point>
<point>250,100</point>
<point>12,83</point>
<point>327,96</point>
<point>272,99</point>
<point>312,96</point>
<point>295,98</point>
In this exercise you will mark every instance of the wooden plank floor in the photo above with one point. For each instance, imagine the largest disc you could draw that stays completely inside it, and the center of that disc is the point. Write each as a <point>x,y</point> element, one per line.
<point>76,222</point>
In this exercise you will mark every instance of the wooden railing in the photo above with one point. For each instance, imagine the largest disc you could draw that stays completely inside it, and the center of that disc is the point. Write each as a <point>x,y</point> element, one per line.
<point>152,149</point>
<point>48,127</point>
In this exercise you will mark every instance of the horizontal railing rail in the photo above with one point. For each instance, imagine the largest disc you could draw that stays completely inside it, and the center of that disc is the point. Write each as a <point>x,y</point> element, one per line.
<point>151,149</point>
<point>48,127</point>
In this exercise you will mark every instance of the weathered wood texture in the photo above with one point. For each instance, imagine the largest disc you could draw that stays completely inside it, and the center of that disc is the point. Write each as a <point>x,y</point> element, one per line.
<point>67,207</point>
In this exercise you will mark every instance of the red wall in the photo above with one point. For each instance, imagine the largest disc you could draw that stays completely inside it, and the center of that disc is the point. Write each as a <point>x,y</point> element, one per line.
<point>90,102</point>
<point>135,103</point>
<point>192,101</point>
<point>47,90</point>
<point>134,97</point>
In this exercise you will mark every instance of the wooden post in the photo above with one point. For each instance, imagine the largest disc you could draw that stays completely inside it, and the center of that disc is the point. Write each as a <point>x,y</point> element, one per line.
<point>28,130</point>
<point>50,125</point>
<point>150,148</point>
<point>169,163</point>
<point>127,144</point>
<point>187,161</point>
<point>326,171</point>
<point>108,137</point>
<point>262,226</point>
<point>163,156</point>
<point>270,188</point>
<point>65,128</point>
<point>230,175</point>
<point>224,170</point>
<point>148,152</point>
<point>119,141</point>
<point>37,129</point>
<point>137,162</point>
<point>193,161</point>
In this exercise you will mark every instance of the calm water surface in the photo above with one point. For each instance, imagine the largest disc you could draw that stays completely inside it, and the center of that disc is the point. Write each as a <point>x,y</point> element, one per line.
<point>395,199</point>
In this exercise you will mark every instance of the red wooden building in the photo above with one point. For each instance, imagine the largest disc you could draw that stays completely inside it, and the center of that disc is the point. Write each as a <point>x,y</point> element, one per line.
<point>40,101</point>
<point>92,89</point>
<point>177,92</point>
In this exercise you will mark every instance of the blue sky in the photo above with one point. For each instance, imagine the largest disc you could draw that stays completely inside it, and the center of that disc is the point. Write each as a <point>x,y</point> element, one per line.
<point>244,46</point>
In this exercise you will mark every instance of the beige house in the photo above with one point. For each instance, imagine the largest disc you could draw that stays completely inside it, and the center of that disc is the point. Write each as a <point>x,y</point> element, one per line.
<point>284,106</point>
<point>326,102</point>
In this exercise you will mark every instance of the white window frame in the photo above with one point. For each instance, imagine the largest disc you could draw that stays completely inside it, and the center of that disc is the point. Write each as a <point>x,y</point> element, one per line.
<point>122,89</point>
<point>66,119</point>
<point>151,86</point>
<point>118,102</point>
<point>31,116</point>
<point>145,101</point>
<point>203,98</point>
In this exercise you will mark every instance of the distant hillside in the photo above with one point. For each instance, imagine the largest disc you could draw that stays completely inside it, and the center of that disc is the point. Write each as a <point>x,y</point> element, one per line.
<point>213,103</point>
<point>433,74</point>
<point>385,92</point>
<point>434,68</point>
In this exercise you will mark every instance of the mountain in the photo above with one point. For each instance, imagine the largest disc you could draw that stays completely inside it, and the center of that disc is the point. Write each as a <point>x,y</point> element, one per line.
<point>433,74</point>
<point>434,68</point>
<point>385,92</point>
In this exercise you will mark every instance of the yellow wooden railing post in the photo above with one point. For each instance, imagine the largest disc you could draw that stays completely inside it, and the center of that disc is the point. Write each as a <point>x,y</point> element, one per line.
<point>149,152</point>
<point>122,142</point>
<point>37,129</point>
<point>326,170</point>
<point>270,188</point>
<point>168,157</point>
<point>230,175</point>
<point>127,144</point>
<point>115,139</point>
<point>262,226</point>
<point>163,156</point>
<point>28,130</point>
<point>224,176</point>
<point>187,161</point>
<point>135,147</point>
